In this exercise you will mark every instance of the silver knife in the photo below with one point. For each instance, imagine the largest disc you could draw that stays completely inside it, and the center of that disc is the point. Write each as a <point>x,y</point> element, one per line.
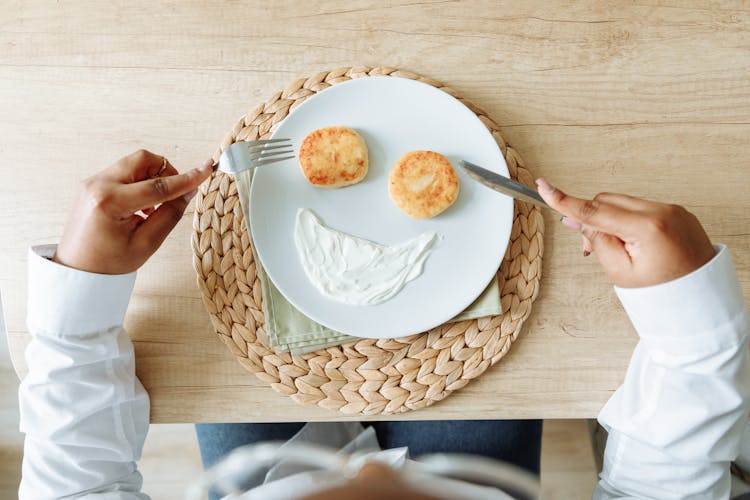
<point>502,184</point>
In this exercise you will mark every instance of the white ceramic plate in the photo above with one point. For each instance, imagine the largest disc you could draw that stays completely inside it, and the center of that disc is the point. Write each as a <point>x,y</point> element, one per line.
<point>395,116</point>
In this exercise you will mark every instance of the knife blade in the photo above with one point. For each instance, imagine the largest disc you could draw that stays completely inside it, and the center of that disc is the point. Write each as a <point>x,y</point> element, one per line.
<point>502,184</point>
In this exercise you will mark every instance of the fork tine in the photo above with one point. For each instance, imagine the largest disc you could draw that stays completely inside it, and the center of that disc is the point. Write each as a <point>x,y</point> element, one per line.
<point>250,154</point>
<point>263,148</point>
<point>264,155</point>
<point>267,160</point>
<point>265,141</point>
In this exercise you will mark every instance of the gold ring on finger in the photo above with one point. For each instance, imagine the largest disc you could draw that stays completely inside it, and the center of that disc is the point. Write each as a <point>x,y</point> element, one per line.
<point>163,166</point>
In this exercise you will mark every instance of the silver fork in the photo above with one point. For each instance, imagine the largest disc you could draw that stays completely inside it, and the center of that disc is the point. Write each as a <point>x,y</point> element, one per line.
<point>242,156</point>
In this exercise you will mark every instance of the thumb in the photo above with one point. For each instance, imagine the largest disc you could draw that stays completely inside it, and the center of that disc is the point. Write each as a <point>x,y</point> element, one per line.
<point>155,229</point>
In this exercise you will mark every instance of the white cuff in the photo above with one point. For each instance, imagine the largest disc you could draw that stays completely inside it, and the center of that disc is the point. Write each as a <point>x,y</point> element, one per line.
<point>67,302</point>
<point>700,314</point>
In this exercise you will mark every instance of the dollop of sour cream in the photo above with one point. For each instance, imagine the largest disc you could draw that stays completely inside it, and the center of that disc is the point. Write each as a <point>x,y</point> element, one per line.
<point>353,270</point>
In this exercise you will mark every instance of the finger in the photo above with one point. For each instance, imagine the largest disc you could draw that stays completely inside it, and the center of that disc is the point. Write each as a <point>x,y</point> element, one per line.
<point>610,251</point>
<point>148,211</point>
<point>167,171</point>
<point>158,190</point>
<point>135,220</point>
<point>600,216</point>
<point>155,229</point>
<point>587,246</point>
<point>624,201</point>
<point>572,224</point>
<point>137,166</point>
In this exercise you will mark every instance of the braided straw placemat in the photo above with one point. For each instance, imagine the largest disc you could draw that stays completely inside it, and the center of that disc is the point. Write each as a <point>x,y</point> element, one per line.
<point>367,376</point>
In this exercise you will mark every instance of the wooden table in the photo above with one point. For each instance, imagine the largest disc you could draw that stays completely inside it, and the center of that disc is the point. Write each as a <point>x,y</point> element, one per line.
<point>648,98</point>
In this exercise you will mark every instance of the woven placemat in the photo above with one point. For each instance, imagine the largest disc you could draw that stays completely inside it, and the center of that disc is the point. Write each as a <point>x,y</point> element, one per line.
<point>366,376</point>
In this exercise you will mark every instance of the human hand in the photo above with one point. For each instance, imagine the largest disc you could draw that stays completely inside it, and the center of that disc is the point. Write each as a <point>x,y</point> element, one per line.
<point>105,234</point>
<point>638,242</point>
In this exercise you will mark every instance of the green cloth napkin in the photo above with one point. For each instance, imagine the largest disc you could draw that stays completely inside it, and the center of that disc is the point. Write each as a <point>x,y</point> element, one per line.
<point>291,331</point>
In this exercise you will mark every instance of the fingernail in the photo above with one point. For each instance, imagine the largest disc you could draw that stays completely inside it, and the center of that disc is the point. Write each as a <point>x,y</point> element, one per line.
<point>586,253</point>
<point>208,166</point>
<point>544,186</point>
<point>570,223</point>
<point>189,196</point>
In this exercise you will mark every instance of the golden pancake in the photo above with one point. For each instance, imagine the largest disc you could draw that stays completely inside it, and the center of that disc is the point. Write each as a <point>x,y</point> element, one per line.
<point>423,184</point>
<point>333,157</point>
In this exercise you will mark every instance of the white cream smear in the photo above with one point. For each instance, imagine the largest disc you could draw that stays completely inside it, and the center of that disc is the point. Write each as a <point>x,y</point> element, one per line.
<point>353,270</point>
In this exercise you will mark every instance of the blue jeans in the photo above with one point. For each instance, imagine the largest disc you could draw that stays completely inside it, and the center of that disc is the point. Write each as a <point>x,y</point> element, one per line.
<point>516,442</point>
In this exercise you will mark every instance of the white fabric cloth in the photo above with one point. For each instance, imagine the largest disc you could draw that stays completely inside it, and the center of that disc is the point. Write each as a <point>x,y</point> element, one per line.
<point>674,425</point>
<point>287,481</point>
<point>84,412</point>
<point>683,406</point>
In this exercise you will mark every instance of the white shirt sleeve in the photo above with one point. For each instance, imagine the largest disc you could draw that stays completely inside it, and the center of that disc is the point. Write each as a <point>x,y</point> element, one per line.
<point>84,412</point>
<point>676,422</point>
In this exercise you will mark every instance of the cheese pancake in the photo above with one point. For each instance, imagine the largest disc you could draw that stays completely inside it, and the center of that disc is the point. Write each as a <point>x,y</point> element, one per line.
<point>423,184</point>
<point>333,157</point>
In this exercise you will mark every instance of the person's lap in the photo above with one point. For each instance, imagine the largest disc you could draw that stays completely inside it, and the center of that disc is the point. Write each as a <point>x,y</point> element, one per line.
<point>513,441</point>
<point>217,440</point>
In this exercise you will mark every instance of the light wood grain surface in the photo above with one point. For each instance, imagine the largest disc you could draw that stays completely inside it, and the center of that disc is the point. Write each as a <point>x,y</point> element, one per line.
<point>649,98</point>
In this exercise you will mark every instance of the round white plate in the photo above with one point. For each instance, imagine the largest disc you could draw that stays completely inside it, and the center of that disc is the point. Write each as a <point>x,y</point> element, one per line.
<point>395,116</point>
